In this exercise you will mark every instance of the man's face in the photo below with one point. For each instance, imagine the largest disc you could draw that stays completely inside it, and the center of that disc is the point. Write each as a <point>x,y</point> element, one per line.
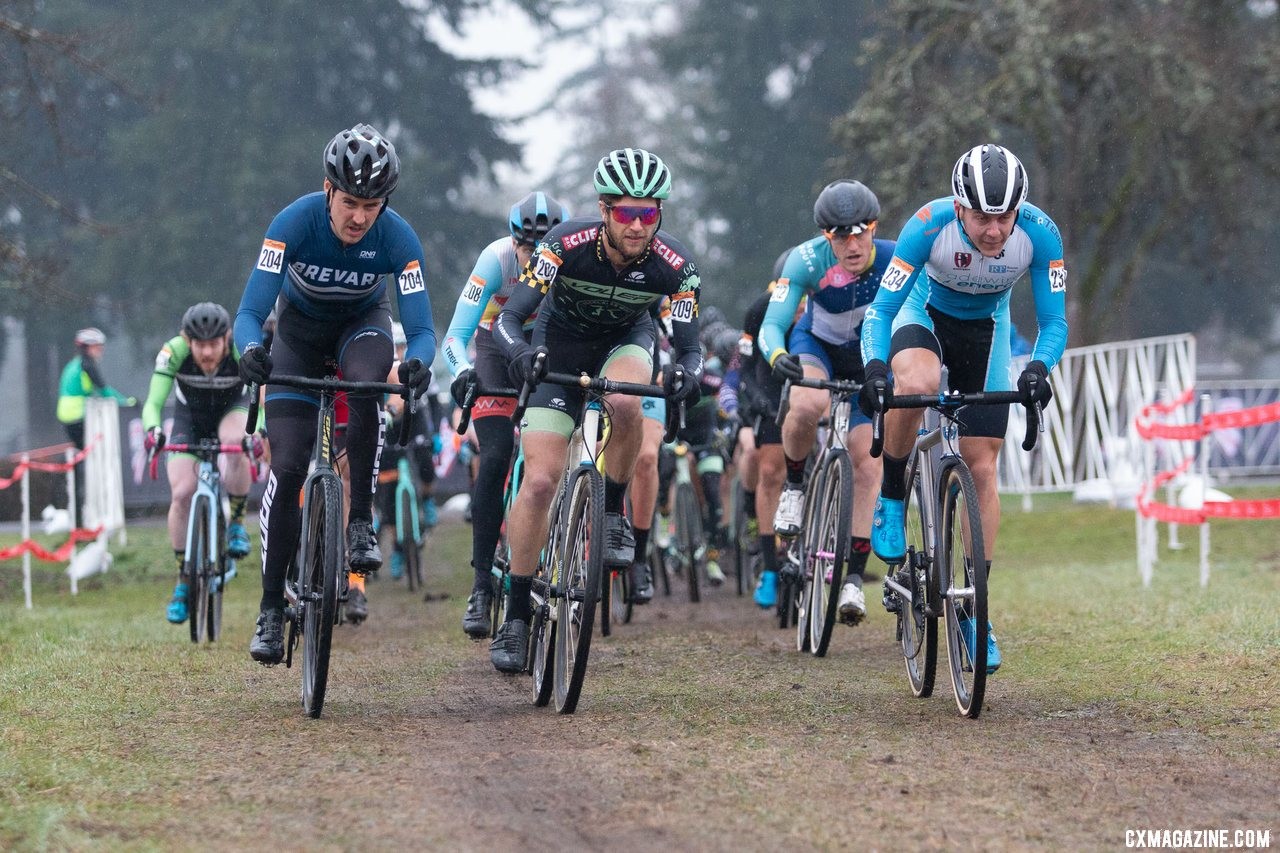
<point>209,354</point>
<point>350,216</point>
<point>987,231</point>
<point>630,225</point>
<point>95,351</point>
<point>853,251</point>
<point>524,253</point>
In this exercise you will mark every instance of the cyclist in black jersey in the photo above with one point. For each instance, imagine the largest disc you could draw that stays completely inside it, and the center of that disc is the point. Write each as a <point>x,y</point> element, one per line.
<point>602,278</point>
<point>211,404</point>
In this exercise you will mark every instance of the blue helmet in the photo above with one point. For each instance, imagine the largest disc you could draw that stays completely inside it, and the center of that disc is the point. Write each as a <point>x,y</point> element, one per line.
<point>534,215</point>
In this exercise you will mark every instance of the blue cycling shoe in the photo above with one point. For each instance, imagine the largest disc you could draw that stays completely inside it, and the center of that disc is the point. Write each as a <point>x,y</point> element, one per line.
<point>888,530</point>
<point>237,540</point>
<point>767,590</point>
<point>430,515</point>
<point>177,612</point>
<point>993,650</point>
<point>397,565</point>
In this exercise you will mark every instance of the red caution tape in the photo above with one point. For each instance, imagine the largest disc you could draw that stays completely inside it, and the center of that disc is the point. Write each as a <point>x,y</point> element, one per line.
<point>59,555</point>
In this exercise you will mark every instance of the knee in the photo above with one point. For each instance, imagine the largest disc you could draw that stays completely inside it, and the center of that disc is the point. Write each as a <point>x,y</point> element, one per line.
<point>539,487</point>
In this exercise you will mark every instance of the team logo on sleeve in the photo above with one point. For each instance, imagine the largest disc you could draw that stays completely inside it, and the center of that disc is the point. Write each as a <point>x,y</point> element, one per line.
<point>683,307</point>
<point>411,280</point>
<point>271,259</point>
<point>1058,276</point>
<point>162,360</point>
<point>780,289</point>
<point>473,290</point>
<point>896,275</point>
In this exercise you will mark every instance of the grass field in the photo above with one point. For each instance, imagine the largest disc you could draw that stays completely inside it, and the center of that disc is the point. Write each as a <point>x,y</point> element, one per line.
<point>1117,706</point>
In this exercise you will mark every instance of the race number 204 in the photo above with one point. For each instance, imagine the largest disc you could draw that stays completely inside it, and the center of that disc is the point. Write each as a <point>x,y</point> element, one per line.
<point>1198,839</point>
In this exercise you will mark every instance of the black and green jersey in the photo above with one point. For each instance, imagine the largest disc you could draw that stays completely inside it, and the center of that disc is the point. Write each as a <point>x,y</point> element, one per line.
<point>207,396</point>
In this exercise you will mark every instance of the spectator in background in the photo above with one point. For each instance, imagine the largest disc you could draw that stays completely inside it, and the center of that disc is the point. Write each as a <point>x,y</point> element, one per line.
<point>82,378</point>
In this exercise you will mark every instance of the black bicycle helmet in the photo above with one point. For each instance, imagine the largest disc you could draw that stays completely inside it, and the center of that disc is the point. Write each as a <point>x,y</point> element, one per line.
<point>845,204</point>
<point>360,161</point>
<point>989,178</point>
<point>534,215</point>
<point>205,321</point>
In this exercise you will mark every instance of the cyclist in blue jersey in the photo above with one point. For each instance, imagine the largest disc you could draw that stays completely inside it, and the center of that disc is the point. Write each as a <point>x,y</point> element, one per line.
<point>602,277</point>
<point>211,404</point>
<point>324,266</point>
<point>971,247</point>
<point>839,271</point>
<point>492,280</point>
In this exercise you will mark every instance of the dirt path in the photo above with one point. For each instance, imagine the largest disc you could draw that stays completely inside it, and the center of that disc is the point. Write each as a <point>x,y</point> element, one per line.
<point>700,728</point>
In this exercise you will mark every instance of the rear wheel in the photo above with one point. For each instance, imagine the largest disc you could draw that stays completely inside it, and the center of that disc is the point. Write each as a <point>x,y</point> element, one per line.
<point>963,580</point>
<point>917,630</point>
<point>739,538</point>
<point>606,600</point>
<point>321,570</point>
<point>689,536</point>
<point>542,627</point>
<point>581,576</point>
<point>825,547</point>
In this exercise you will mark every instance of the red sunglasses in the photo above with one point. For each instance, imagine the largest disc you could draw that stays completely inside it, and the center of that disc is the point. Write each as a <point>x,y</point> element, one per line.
<point>625,215</point>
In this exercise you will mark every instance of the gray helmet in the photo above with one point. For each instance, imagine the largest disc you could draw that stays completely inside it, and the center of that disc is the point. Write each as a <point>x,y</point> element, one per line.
<point>360,161</point>
<point>634,172</point>
<point>205,321</point>
<point>846,204</point>
<point>989,178</point>
<point>534,215</point>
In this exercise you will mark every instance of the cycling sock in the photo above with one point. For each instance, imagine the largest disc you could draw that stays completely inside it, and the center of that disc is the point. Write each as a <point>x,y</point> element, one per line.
<point>237,507</point>
<point>894,485</point>
<point>181,557</point>
<point>642,541</point>
<point>483,575</point>
<point>518,604</point>
<point>795,470</point>
<point>859,550</point>
<point>768,552</point>
<point>614,494</point>
<point>749,503</point>
<point>711,494</point>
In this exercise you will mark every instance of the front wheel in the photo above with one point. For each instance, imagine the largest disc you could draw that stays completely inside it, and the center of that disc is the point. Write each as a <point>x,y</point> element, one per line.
<point>917,630</point>
<point>321,570</point>
<point>963,583</point>
<point>580,577</point>
<point>825,546</point>
<point>198,568</point>
<point>688,536</point>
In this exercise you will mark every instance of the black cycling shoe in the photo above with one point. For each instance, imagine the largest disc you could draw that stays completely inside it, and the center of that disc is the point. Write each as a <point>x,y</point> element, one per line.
<point>267,645</point>
<point>619,543</point>
<point>641,583</point>
<point>357,608</point>
<point>510,648</point>
<point>475,621</point>
<point>364,556</point>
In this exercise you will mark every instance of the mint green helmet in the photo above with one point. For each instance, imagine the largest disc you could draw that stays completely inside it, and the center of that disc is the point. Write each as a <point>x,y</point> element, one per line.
<point>634,172</point>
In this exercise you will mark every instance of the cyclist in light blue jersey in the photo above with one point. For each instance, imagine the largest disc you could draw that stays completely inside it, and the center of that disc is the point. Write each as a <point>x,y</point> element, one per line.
<point>971,248</point>
<point>325,265</point>
<point>839,271</point>
<point>487,289</point>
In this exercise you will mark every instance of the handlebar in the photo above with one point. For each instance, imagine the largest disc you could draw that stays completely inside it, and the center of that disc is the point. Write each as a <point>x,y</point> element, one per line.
<point>844,387</point>
<point>202,449</point>
<point>950,401</point>
<point>333,385</point>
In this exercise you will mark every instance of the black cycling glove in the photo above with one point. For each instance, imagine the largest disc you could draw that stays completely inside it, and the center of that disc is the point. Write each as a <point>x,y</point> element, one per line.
<point>527,367</point>
<point>416,375</point>
<point>255,365</point>
<point>786,366</point>
<point>1033,384</point>
<point>875,384</point>
<point>458,388</point>
<point>688,391</point>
